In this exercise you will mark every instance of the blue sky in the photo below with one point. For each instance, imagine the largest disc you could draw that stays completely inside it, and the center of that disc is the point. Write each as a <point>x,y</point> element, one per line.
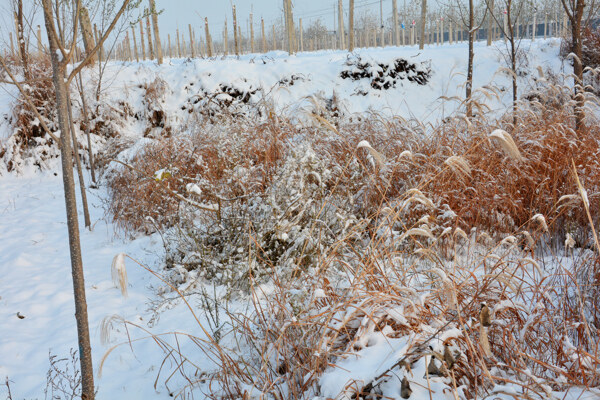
<point>180,13</point>
<point>183,12</point>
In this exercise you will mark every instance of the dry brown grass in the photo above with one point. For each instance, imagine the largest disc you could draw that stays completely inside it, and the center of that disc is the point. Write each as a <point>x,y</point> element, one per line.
<point>208,157</point>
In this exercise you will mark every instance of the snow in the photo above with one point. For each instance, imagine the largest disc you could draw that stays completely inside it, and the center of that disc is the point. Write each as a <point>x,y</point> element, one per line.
<point>36,283</point>
<point>316,75</point>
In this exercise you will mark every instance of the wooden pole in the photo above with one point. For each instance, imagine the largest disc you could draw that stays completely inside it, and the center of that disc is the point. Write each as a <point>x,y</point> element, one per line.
<point>235,33</point>
<point>86,32</point>
<point>209,45</point>
<point>149,34</point>
<point>142,39</point>
<point>193,53</point>
<point>128,46</point>
<point>351,25</point>
<point>423,22</point>
<point>290,26</point>
<point>225,40</point>
<point>135,49</point>
<point>178,43</point>
<point>170,48</point>
<point>301,35</point>
<point>341,35</point>
<point>157,44</point>
<point>12,45</point>
<point>264,39</point>
<point>39,40</point>
<point>200,45</point>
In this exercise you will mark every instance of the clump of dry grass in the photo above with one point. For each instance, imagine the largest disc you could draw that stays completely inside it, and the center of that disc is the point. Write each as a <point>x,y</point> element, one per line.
<point>526,175</point>
<point>225,164</point>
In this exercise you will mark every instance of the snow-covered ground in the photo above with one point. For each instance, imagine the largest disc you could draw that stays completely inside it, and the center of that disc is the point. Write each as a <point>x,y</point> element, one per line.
<point>35,281</point>
<point>36,284</point>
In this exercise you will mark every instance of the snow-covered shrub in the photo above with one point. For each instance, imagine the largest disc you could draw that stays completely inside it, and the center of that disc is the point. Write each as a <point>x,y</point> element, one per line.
<point>155,114</point>
<point>223,162</point>
<point>29,144</point>
<point>384,315</point>
<point>386,76</point>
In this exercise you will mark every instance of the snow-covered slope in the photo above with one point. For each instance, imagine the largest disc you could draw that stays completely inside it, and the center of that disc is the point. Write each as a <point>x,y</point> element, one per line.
<point>289,82</point>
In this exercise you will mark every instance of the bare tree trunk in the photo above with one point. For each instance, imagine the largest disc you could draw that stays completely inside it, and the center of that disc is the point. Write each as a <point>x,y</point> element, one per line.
<point>264,39</point>
<point>251,33</point>
<point>157,44</point>
<point>81,316</point>
<point>209,44</point>
<point>135,49</point>
<point>86,32</point>
<point>351,26</point>
<point>469,85</point>
<point>149,35</point>
<point>193,53</point>
<point>235,36</point>
<point>396,27</point>
<point>21,39</point>
<point>342,34</point>
<point>142,39</point>
<point>300,29</point>
<point>87,126</point>
<point>178,44</point>
<point>490,34</point>
<point>575,15</point>
<point>289,18</point>
<point>423,22</point>
<point>225,39</point>
<point>84,202</point>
